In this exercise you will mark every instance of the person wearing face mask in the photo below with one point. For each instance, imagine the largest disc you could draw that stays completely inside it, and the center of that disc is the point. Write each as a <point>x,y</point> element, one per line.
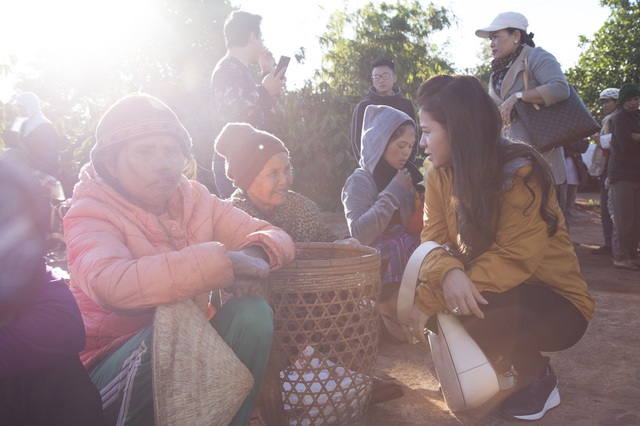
<point>382,199</point>
<point>511,46</point>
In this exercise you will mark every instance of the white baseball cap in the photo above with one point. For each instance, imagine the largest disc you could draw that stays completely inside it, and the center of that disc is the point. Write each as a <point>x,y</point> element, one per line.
<point>502,21</point>
<point>610,93</point>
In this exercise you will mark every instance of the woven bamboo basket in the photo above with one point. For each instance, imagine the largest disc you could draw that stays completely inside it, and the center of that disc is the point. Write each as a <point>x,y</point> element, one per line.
<point>325,344</point>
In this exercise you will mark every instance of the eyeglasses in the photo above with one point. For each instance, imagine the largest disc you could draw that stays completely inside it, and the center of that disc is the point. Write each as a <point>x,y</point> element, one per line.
<point>384,76</point>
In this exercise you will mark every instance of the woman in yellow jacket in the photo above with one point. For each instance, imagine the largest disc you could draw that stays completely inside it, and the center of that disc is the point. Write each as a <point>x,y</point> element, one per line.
<point>514,279</point>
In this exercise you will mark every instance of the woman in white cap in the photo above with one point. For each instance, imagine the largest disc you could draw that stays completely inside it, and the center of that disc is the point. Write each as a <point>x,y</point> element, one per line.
<point>511,45</point>
<point>140,235</point>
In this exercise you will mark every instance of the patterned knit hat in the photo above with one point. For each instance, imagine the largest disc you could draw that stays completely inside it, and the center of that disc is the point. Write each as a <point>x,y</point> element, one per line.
<point>136,116</point>
<point>246,150</point>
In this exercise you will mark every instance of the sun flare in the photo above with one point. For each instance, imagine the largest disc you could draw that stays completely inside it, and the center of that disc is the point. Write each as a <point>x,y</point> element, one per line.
<point>72,30</point>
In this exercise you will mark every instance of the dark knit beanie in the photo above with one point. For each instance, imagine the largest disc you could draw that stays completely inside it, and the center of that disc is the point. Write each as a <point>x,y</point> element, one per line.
<point>628,91</point>
<point>136,116</point>
<point>246,150</point>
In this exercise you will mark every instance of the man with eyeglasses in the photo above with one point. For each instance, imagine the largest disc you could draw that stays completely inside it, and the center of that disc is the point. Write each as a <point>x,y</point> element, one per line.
<point>383,92</point>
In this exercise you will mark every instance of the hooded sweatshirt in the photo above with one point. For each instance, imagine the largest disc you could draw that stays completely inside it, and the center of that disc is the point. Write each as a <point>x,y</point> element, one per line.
<point>368,210</point>
<point>396,100</point>
<point>38,137</point>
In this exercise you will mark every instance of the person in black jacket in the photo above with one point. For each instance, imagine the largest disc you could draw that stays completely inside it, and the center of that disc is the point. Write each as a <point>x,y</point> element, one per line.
<point>624,177</point>
<point>383,92</point>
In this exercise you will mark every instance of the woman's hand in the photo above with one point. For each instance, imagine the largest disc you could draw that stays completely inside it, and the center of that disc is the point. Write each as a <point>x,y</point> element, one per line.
<point>418,321</point>
<point>403,177</point>
<point>249,269</point>
<point>461,295</point>
<point>506,109</point>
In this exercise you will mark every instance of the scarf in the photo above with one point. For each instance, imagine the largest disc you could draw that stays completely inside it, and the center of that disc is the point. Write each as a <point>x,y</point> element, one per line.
<point>384,173</point>
<point>501,66</point>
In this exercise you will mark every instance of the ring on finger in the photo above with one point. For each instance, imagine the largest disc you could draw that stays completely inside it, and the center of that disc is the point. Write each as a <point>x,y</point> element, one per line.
<point>455,310</point>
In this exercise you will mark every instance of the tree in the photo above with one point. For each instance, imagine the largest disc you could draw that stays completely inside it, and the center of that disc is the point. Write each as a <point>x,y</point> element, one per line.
<point>399,31</point>
<point>612,57</point>
<point>172,60</point>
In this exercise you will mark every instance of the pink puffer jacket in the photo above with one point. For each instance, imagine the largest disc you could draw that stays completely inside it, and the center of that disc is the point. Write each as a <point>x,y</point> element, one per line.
<point>125,261</point>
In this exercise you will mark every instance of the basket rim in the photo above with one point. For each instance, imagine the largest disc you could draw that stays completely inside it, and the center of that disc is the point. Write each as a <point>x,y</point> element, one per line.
<point>367,254</point>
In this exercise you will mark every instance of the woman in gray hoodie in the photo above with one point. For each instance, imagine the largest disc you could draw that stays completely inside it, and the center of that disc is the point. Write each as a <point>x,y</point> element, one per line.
<point>382,198</point>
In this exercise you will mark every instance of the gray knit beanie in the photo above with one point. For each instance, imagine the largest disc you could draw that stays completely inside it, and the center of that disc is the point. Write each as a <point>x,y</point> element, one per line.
<point>136,116</point>
<point>246,150</point>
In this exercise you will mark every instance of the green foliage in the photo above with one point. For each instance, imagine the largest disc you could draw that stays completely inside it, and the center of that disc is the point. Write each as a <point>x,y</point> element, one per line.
<point>612,57</point>
<point>314,124</point>
<point>400,31</point>
<point>172,60</point>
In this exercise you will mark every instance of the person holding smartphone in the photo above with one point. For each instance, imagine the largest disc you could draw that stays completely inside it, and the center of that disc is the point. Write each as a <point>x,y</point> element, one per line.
<point>235,95</point>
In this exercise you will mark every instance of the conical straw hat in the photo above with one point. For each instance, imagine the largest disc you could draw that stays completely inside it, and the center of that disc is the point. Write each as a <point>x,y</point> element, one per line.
<point>197,379</point>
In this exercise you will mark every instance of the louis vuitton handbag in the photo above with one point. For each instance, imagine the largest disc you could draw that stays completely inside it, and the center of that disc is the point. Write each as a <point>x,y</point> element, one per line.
<point>558,124</point>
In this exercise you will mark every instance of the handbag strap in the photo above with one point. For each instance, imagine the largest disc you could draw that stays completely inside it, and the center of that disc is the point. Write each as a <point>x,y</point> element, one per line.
<point>407,292</point>
<point>526,78</point>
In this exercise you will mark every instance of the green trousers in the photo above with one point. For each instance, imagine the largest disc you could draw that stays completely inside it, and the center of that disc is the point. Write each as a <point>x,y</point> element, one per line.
<point>124,377</point>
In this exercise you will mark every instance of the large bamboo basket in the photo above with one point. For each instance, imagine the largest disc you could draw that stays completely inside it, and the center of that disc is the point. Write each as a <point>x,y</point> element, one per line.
<point>325,344</point>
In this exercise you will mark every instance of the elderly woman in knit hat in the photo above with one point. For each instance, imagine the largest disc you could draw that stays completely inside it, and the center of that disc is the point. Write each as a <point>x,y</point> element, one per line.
<point>258,165</point>
<point>624,176</point>
<point>139,235</point>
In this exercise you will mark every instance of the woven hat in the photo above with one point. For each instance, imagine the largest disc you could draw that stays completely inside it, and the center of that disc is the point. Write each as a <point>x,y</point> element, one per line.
<point>197,379</point>
<point>610,93</point>
<point>504,20</point>
<point>135,116</point>
<point>246,150</point>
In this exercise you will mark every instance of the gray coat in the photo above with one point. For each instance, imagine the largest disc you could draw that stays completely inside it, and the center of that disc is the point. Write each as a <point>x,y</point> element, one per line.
<point>368,212</point>
<point>546,76</point>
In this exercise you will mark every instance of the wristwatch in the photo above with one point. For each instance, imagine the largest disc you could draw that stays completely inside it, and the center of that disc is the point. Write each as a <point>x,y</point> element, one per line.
<point>519,96</point>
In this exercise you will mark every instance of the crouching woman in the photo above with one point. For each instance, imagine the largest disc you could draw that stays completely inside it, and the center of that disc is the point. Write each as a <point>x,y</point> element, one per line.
<point>514,282</point>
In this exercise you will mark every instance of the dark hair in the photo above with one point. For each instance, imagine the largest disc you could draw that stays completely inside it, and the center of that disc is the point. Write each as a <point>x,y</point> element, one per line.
<point>524,37</point>
<point>239,26</point>
<point>383,63</point>
<point>479,153</point>
<point>409,124</point>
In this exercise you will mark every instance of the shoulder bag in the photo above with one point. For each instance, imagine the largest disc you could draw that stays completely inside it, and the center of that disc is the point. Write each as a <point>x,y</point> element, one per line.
<point>467,378</point>
<point>558,124</point>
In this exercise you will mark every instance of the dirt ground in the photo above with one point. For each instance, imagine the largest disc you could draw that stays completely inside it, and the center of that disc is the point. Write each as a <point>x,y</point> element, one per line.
<point>599,378</point>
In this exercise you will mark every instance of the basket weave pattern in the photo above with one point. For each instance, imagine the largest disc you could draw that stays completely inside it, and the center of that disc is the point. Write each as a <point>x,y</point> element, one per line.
<point>325,342</point>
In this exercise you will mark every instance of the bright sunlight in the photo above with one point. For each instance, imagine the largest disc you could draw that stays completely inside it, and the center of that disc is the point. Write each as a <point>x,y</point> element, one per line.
<point>71,32</point>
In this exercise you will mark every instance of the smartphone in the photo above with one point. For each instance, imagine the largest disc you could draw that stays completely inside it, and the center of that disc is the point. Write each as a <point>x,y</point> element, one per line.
<point>282,63</point>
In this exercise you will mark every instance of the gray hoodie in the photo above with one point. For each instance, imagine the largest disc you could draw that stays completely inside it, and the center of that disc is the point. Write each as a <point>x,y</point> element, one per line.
<point>368,212</point>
